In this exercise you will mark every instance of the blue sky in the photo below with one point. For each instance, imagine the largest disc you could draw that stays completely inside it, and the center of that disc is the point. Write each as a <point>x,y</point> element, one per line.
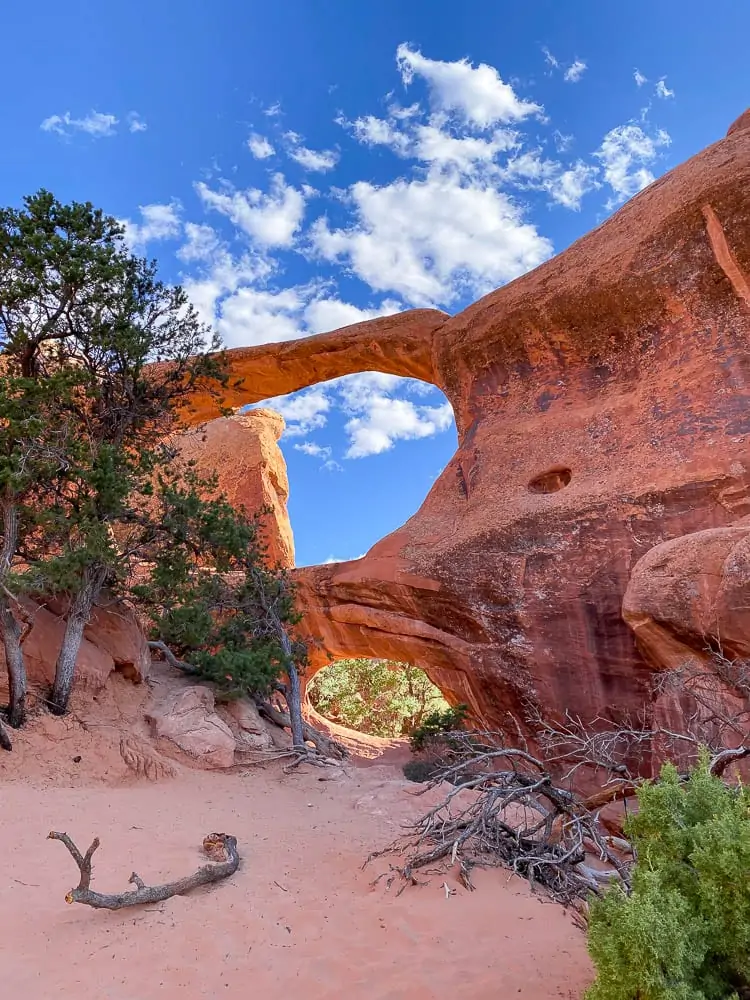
<point>302,165</point>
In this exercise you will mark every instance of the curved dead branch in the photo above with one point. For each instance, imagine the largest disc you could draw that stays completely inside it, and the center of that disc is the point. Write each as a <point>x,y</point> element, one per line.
<point>215,844</point>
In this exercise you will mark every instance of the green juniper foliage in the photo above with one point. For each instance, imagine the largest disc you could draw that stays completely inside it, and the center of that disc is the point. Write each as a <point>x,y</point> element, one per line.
<point>378,697</point>
<point>684,931</point>
<point>82,321</point>
<point>210,596</point>
<point>437,725</point>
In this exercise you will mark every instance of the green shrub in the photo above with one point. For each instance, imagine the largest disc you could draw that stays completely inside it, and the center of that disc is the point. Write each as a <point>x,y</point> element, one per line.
<point>377,697</point>
<point>684,931</point>
<point>437,724</point>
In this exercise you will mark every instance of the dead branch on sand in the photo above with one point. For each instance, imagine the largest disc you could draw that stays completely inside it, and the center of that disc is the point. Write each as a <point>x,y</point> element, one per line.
<point>215,844</point>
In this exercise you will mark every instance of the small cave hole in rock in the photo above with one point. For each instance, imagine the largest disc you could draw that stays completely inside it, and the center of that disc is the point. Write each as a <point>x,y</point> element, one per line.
<point>554,479</point>
<point>382,698</point>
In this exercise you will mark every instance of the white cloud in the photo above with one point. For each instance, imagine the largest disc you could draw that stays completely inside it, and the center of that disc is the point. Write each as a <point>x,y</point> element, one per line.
<point>323,315</point>
<point>313,449</point>
<point>639,78</point>
<point>303,412</point>
<point>259,146</point>
<point>379,418</point>
<point>320,160</point>
<point>160,222</point>
<point>378,413</point>
<point>373,131</point>
<point>136,123</point>
<point>273,110</point>
<point>95,124</point>
<point>202,244</point>
<point>478,95</point>
<point>662,90</point>
<point>271,218</point>
<point>624,155</point>
<point>575,71</point>
<point>549,58</point>
<point>569,187</point>
<point>435,145</point>
<point>257,316</point>
<point>430,239</point>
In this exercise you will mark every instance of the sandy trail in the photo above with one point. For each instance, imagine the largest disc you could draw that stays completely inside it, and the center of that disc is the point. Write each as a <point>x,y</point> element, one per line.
<point>299,918</point>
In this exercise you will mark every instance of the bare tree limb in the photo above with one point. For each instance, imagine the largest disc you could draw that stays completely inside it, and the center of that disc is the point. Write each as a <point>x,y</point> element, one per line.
<point>172,660</point>
<point>83,893</point>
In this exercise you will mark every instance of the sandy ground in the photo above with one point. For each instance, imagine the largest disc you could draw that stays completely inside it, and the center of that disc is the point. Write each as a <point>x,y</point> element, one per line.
<point>298,919</point>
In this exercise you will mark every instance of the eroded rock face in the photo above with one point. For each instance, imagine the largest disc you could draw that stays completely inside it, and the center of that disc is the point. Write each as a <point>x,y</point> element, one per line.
<point>244,453</point>
<point>188,719</point>
<point>602,408</point>
<point>112,641</point>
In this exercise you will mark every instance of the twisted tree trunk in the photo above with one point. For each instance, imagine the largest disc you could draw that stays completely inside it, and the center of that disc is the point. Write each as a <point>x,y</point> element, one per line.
<point>78,618</point>
<point>10,628</point>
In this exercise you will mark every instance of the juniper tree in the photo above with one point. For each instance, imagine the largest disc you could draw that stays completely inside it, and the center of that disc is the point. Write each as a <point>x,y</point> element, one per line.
<point>218,610</point>
<point>75,303</point>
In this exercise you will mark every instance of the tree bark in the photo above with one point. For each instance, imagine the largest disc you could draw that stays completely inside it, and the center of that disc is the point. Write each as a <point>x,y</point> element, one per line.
<point>10,629</point>
<point>78,618</point>
<point>142,894</point>
<point>294,702</point>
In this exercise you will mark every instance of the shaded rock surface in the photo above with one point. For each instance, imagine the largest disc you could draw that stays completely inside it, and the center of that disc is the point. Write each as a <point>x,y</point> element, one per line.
<point>602,409</point>
<point>113,641</point>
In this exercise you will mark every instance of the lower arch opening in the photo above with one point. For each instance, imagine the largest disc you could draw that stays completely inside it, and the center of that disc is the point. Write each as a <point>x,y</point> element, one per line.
<point>382,699</point>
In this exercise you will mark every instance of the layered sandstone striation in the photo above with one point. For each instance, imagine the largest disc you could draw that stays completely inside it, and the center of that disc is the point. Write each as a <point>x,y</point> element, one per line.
<point>602,409</point>
<point>243,452</point>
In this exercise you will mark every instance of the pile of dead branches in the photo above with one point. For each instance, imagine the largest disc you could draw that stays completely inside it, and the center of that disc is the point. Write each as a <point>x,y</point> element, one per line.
<point>517,807</point>
<point>506,809</point>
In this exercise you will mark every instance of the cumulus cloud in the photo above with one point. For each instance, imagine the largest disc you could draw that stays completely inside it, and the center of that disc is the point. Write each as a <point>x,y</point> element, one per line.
<point>625,154</point>
<point>430,239</point>
<point>549,58</point>
<point>575,71</point>
<point>259,146</point>
<point>476,94</point>
<point>271,218</point>
<point>324,314</point>
<point>273,110</point>
<point>95,124</point>
<point>320,160</point>
<point>662,90</point>
<point>639,78</point>
<point>158,222</point>
<point>304,411</point>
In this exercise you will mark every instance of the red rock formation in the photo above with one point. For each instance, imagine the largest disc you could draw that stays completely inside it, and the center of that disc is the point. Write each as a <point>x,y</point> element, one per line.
<point>243,451</point>
<point>112,641</point>
<point>602,408</point>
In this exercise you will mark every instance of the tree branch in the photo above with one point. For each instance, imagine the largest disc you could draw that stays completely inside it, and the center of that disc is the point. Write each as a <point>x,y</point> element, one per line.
<point>212,844</point>
<point>171,659</point>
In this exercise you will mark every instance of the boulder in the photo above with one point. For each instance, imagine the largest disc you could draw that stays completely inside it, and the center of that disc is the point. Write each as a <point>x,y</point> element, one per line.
<point>248,728</point>
<point>602,408</point>
<point>187,718</point>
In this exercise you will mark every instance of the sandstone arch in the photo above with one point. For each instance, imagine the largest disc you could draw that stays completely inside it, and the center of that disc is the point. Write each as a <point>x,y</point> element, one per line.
<point>624,360</point>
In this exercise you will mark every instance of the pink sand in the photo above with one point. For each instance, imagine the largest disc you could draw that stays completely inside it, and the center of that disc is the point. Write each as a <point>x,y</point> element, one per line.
<point>299,919</point>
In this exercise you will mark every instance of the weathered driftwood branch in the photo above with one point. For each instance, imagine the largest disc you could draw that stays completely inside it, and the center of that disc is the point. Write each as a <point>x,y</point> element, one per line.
<point>213,844</point>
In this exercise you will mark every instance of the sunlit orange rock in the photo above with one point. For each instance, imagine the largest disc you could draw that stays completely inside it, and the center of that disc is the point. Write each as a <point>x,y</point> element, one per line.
<point>602,408</point>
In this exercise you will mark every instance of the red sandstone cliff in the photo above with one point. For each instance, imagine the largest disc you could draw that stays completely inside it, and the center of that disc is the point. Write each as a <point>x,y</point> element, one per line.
<point>602,408</point>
